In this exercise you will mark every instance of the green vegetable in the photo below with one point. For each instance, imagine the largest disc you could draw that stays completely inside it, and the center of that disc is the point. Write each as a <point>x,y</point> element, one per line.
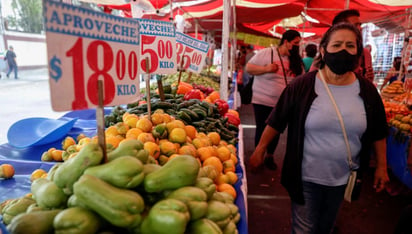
<point>203,226</point>
<point>120,207</point>
<point>230,228</point>
<point>168,216</point>
<point>178,172</point>
<point>123,172</point>
<point>207,185</point>
<point>126,148</point>
<point>234,212</point>
<point>219,213</point>
<point>194,198</point>
<point>36,222</point>
<point>149,168</point>
<point>52,171</point>
<point>15,207</point>
<point>47,194</point>
<point>77,220</point>
<point>71,170</point>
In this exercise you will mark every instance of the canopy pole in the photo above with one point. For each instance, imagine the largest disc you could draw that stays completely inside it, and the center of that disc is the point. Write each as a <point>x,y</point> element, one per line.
<point>234,50</point>
<point>225,51</point>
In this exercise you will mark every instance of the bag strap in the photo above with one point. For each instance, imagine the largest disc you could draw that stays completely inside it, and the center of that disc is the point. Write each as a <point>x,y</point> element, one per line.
<point>342,125</point>
<point>283,67</point>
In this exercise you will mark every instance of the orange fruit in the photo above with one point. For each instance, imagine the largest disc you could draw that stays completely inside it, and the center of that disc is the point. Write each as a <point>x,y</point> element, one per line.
<point>205,152</point>
<point>86,141</point>
<point>223,153</point>
<point>152,148</point>
<point>167,147</point>
<point>130,120</point>
<point>37,174</point>
<point>7,171</point>
<point>233,157</point>
<point>228,165</point>
<point>125,114</point>
<point>133,133</point>
<point>174,124</point>
<point>177,135</point>
<point>234,112</point>
<point>173,156</point>
<point>232,148</point>
<point>222,179</point>
<point>227,188</point>
<point>68,141</point>
<point>144,124</point>
<point>157,118</point>
<point>233,178</point>
<point>111,131</point>
<point>113,140</point>
<point>145,137</point>
<point>214,137</point>
<point>210,171</point>
<point>191,131</point>
<point>214,161</point>
<point>188,149</point>
<point>160,131</point>
<point>57,155</point>
<point>167,118</point>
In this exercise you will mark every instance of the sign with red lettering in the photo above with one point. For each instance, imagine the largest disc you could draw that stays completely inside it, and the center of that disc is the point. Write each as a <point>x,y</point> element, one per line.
<point>157,43</point>
<point>84,46</point>
<point>191,52</point>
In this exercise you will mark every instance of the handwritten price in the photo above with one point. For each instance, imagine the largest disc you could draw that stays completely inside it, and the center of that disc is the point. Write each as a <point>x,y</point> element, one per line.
<point>160,58</point>
<point>187,56</point>
<point>125,65</point>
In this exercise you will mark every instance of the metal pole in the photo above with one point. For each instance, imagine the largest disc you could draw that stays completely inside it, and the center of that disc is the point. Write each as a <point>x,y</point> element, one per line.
<point>225,51</point>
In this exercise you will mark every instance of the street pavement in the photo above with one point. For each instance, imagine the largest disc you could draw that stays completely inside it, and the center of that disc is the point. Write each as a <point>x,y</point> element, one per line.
<point>26,97</point>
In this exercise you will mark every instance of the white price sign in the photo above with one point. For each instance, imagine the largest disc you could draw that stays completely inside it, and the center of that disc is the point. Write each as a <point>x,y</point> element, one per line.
<point>191,53</point>
<point>157,43</point>
<point>85,46</point>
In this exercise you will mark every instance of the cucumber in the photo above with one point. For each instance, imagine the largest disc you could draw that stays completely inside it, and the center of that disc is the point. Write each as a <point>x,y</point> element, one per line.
<point>184,116</point>
<point>201,113</point>
<point>191,113</point>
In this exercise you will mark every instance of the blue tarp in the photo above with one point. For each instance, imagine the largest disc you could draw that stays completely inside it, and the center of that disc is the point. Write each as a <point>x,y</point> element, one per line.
<point>26,160</point>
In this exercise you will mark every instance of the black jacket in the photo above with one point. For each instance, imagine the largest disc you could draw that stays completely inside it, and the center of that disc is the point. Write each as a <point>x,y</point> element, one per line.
<point>291,112</point>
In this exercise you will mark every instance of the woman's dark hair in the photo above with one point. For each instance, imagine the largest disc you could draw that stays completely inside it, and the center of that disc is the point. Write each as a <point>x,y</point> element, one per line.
<point>311,50</point>
<point>326,39</point>
<point>397,63</point>
<point>295,61</point>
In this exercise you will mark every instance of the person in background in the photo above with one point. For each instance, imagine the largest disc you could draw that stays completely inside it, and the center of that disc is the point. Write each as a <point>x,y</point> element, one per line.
<point>249,54</point>
<point>311,51</point>
<point>393,72</point>
<point>11,61</point>
<point>315,168</point>
<point>365,68</point>
<point>273,68</point>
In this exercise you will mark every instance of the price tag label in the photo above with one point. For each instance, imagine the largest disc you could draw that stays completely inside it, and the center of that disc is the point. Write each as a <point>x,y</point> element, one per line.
<point>158,43</point>
<point>192,51</point>
<point>85,46</point>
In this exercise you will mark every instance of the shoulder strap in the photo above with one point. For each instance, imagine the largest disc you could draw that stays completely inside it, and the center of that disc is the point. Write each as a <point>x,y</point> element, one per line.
<point>345,136</point>
<point>283,67</point>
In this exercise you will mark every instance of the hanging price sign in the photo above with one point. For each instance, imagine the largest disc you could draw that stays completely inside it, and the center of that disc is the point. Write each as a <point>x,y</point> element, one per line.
<point>83,47</point>
<point>191,53</point>
<point>157,43</point>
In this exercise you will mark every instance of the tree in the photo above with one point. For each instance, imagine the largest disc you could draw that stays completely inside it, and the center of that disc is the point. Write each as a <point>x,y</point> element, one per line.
<point>27,16</point>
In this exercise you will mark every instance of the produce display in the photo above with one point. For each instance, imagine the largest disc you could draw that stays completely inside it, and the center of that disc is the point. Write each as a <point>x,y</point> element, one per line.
<point>172,171</point>
<point>393,89</point>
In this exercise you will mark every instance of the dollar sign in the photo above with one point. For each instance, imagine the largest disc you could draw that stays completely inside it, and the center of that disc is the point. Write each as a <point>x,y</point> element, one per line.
<point>55,70</point>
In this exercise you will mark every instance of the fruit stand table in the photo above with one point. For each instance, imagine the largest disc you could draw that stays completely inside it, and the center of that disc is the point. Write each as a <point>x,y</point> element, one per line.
<point>26,160</point>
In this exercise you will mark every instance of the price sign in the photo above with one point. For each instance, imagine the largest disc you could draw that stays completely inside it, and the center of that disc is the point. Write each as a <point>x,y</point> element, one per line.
<point>85,46</point>
<point>157,43</point>
<point>193,52</point>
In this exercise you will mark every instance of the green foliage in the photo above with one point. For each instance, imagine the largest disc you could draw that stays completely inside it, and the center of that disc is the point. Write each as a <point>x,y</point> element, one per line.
<point>27,16</point>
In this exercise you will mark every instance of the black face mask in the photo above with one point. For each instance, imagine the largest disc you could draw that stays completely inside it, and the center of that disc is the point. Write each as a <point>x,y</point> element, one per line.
<point>294,50</point>
<point>341,62</point>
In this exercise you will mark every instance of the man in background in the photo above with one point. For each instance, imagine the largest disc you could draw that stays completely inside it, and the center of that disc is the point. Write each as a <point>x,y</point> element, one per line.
<point>11,61</point>
<point>365,68</point>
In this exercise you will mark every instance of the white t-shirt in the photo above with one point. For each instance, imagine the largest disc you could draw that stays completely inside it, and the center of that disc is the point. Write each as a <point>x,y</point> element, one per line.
<point>268,87</point>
